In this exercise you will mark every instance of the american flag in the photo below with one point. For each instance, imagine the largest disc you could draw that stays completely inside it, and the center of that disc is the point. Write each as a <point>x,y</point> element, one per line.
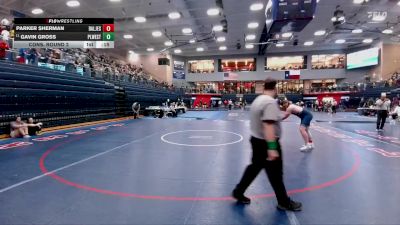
<point>231,76</point>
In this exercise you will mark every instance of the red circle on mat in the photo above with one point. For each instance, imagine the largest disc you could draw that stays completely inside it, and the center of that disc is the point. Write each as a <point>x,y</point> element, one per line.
<point>348,174</point>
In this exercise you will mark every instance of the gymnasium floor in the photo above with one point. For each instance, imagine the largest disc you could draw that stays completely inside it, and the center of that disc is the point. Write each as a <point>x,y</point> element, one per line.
<point>182,171</point>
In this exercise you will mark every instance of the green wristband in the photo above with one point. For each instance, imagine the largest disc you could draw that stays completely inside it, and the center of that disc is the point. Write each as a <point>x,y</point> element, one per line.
<point>272,145</point>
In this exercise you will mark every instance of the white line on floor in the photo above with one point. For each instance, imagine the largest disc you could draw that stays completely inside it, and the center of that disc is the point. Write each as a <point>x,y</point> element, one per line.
<point>72,164</point>
<point>292,218</point>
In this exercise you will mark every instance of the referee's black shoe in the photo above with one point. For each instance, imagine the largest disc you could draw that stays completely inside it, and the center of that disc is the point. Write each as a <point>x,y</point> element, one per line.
<point>240,198</point>
<point>291,206</point>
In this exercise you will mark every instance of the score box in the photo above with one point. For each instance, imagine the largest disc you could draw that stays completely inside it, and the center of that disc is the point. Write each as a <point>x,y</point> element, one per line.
<point>108,36</point>
<point>108,27</point>
<point>104,44</point>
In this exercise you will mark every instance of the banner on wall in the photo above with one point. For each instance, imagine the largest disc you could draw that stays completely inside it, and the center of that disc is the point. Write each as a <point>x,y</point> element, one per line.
<point>179,70</point>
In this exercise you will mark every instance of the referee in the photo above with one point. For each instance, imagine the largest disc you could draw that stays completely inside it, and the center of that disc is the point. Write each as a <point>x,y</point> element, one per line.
<point>383,108</point>
<point>265,118</point>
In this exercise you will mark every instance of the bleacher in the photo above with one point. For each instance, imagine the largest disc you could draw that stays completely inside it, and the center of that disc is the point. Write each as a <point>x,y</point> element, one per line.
<point>61,98</point>
<point>147,95</point>
<point>52,97</point>
<point>372,92</point>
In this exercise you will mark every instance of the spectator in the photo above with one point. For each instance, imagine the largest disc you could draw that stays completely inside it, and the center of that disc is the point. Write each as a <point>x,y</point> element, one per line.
<point>396,112</point>
<point>32,56</point>
<point>230,104</point>
<point>34,128</point>
<point>21,55</point>
<point>19,129</point>
<point>3,48</point>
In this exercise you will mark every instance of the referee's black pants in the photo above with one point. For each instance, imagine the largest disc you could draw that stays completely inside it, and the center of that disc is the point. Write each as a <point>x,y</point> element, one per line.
<point>381,120</point>
<point>273,169</point>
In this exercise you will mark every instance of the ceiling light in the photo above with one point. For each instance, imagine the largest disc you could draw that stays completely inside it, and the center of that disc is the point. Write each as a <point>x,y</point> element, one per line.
<point>368,41</point>
<point>140,19</point>
<point>73,3</point>
<point>287,35</point>
<point>320,33</point>
<point>150,49</point>
<point>308,43</point>
<point>174,15</point>
<point>131,52</point>
<point>357,31</point>
<point>200,49</point>
<point>222,48</point>
<point>217,28</point>
<point>249,46</point>
<point>340,41</point>
<point>168,43</point>
<point>187,31</point>
<point>191,41</point>
<point>114,0</point>
<point>156,33</point>
<point>334,19</point>
<point>280,45</point>
<point>250,37</point>
<point>398,3</point>
<point>252,25</point>
<point>256,6</point>
<point>177,51</point>
<point>213,11</point>
<point>37,11</point>
<point>128,36</point>
<point>220,39</point>
<point>358,1</point>
<point>387,31</point>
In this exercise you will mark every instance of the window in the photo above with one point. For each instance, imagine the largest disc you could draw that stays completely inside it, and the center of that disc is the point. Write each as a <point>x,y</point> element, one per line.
<point>290,86</point>
<point>286,63</point>
<point>237,65</point>
<point>322,85</point>
<point>201,66</point>
<point>236,87</point>
<point>332,61</point>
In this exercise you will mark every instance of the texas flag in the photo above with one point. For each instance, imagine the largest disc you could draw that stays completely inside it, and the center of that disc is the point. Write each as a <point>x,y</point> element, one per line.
<point>292,75</point>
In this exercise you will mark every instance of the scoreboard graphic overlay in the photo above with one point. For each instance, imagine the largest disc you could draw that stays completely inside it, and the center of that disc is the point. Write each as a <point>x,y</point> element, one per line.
<point>64,33</point>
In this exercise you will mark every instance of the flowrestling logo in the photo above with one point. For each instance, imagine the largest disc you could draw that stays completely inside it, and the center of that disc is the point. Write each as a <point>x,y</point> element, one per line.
<point>394,140</point>
<point>106,127</point>
<point>79,132</point>
<point>50,138</point>
<point>117,125</point>
<point>55,137</point>
<point>363,143</point>
<point>100,128</point>
<point>14,145</point>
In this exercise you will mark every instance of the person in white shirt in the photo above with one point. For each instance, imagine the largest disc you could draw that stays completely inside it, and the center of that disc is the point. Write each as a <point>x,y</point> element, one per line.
<point>19,129</point>
<point>305,117</point>
<point>396,112</point>
<point>382,106</point>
